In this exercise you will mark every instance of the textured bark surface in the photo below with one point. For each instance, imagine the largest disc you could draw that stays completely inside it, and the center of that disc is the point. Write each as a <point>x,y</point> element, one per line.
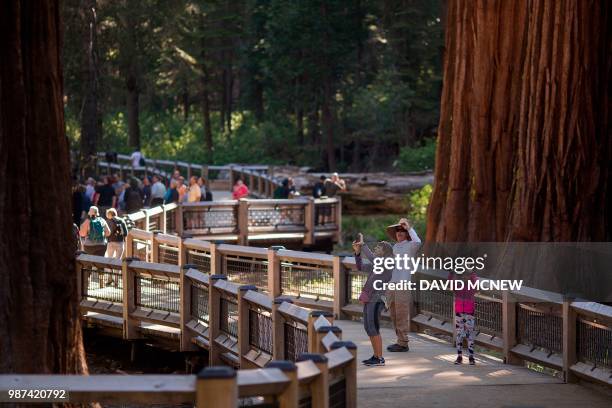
<point>40,330</point>
<point>89,111</point>
<point>524,145</point>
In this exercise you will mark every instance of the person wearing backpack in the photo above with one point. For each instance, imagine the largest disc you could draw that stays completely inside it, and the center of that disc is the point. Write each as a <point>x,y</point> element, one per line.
<point>133,198</point>
<point>118,233</point>
<point>95,231</point>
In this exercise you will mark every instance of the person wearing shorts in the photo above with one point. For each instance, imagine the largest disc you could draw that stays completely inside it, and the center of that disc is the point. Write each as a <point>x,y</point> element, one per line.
<point>371,298</point>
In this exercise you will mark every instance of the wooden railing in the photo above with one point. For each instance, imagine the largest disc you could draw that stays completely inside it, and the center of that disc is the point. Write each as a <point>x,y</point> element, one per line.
<point>238,325</point>
<point>572,336</point>
<point>258,178</point>
<point>317,381</point>
<point>246,221</point>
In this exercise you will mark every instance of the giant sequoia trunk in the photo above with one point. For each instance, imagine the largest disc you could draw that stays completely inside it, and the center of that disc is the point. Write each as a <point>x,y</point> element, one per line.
<point>133,111</point>
<point>89,115</point>
<point>40,329</point>
<point>524,147</point>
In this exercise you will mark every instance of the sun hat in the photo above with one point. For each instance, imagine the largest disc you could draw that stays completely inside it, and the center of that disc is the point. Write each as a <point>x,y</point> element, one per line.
<point>390,230</point>
<point>93,210</point>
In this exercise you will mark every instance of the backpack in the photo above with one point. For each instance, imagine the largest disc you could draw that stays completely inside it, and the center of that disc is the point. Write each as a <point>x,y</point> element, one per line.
<point>129,223</point>
<point>142,162</point>
<point>96,231</point>
<point>121,228</point>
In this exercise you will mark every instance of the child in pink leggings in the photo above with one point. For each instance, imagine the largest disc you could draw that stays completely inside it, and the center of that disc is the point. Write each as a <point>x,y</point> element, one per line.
<point>464,316</point>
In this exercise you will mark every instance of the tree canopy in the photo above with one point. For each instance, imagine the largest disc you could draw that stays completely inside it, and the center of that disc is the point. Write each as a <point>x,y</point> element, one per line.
<point>333,84</point>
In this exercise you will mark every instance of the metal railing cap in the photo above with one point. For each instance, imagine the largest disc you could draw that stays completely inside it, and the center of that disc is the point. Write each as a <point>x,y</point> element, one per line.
<point>283,365</point>
<point>218,277</point>
<point>190,266</point>
<point>314,357</point>
<point>281,299</point>
<point>244,288</point>
<point>327,329</point>
<point>339,344</point>
<point>317,313</point>
<point>217,372</point>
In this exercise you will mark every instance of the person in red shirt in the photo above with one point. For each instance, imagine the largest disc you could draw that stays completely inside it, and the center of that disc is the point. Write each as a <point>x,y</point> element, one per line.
<point>240,190</point>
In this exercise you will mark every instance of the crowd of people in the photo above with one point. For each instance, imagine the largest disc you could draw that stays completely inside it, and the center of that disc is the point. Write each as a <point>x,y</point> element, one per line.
<point>97,205</point>
<point>397,302</point>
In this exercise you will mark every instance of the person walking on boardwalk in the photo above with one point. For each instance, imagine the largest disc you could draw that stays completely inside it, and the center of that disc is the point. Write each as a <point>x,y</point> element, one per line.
<point>107,197</point>
<point>372,298</point>
<point>133,197</point>
<point>158,191</point>
<point>95,231</point>
<point>118,232</point>
<point>172,194</point>
<point>333,185</point>
<point>407,243</point>
<point>240,190</point>
<point>318,190</point>
<point>206,194</point>
<point>465,304</point>
<point>194,194</point>
<point>146,191</point>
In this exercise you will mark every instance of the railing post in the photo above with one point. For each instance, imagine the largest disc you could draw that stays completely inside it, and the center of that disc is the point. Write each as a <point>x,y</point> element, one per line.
<point>232,177</point>
<point>509,328</point>
<point>339,287</point>
<point>274,274</point>
<point>339,220</point>
<point>121,171</point>
<point>319,386</point>
<point>251,180</point>
<point>129,299</point>
<point>312,338</point>
<point>189,171</point>
<point>243,221</point>
<point>569,340</point>
<point>289,397</point>
<point>162,225</point>
<point>214,318</point>
<point>204,172</point>
<point>216,387</point>
<point>185,309</point>
<point>154,247</point>
<point>278,329</point>
<point>244,325</point>
<point>260,185</point>
<point>350,373</point>
<point>146,219</point>
<point>129,246</point>
<point>309,222</point>
<point>215,260</point>
<point>178,223</point>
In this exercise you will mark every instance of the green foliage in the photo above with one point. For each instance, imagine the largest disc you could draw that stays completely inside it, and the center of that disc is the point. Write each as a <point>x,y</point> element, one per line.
<point>371,226</point>
<point>418,158</point>
<point>267,66</point>
<point>419,202</point>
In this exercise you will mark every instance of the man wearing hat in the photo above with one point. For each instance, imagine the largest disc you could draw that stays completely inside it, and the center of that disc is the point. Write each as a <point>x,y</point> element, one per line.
<point>407,242</point>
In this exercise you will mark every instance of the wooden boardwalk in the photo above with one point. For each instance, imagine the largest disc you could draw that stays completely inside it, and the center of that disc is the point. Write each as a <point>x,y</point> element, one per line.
<point>426,377</point>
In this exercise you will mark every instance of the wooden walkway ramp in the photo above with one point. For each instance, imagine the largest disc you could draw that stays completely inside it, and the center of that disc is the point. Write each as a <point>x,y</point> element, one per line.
<point>426,377</point>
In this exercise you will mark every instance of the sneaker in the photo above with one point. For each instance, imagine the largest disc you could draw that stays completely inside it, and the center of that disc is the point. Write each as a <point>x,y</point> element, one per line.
<point>396,348</point>
<point>375,361</point>
<point>369,359</point>
<point>459,360</point>
<point>472,361</point>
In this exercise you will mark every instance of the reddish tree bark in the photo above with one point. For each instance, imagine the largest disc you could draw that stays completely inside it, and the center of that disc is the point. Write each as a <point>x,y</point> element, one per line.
<point>524,146</point>
<point>40,330</point>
